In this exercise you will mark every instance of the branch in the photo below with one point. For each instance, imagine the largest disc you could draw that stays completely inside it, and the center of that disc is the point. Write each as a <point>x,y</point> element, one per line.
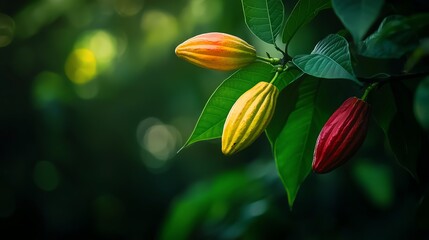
<point>388,78</point>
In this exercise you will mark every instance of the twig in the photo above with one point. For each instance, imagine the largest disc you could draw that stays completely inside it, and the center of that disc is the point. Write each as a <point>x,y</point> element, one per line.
<point>389,78</point>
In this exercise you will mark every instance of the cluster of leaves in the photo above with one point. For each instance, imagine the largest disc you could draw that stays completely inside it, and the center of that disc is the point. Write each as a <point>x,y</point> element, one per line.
<point>296,124</point>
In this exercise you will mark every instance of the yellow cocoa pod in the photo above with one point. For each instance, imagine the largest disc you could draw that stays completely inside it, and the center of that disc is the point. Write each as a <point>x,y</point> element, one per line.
<point>217,51</point>
<point>248,117</point>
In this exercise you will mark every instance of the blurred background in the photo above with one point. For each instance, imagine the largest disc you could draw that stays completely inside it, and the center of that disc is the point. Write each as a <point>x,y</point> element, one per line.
<point>95,105</point>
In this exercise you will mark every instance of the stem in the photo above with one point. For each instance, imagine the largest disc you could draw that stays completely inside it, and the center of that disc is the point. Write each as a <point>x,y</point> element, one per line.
<point>286,45</point>
<point>275,77</point>
<point>368,90</point>
<point>375,81</point>
<point>264,59</point>
<point>393,77</point>
<point>285,58</point>
<point>278,49</point>
<point>273,61</point>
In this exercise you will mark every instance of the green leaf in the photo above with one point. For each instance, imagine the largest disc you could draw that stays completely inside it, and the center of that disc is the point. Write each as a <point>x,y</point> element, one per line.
<point>392,110</point>
<point>357,15</point>
<point>421,103</point>
<point>329,59</point>
<point>303,12</point>
<point>293,132</point>
<point>211,120</point>
<point>395,36</point>
<point>210,202</point>
<point>264,18</point>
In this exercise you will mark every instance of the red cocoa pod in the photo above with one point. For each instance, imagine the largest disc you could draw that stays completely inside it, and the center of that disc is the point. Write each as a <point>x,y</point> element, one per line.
<point>217,51</point>
<point>342,135</point>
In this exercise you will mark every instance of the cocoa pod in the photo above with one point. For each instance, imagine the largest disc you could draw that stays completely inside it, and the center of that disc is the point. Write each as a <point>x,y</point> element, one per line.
<point>342,135</point>
<point>217,51</point>
<point>248,117</point>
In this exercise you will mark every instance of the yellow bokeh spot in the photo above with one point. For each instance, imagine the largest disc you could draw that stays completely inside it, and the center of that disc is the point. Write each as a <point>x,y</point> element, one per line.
<point>81,66</point>
<point>160,32</point>
<point>102,44</point>
<point>160,28</point>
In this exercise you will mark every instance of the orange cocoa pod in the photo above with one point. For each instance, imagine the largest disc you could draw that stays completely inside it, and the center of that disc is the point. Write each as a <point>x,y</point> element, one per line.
<point>248,117</point>
<point>342,135</point>
<point>217,51</point>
